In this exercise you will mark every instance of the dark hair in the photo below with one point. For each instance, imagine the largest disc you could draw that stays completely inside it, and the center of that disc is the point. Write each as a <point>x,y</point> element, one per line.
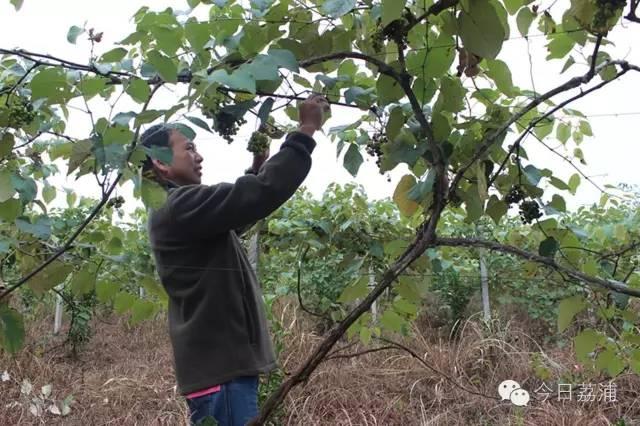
<point>157,135</point>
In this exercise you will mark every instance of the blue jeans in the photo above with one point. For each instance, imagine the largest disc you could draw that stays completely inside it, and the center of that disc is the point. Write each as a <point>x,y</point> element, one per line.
<point>234,405</point>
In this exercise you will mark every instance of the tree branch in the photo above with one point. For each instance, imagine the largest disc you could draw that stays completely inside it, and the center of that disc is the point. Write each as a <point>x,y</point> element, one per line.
<point>549,113</point>
<point>434,9</point>
<point>424,239</point>
<point>435,370</point>
<point>67,245</point>
<point>631,16</point>
<point>491,138</point>
<point>613,285</point>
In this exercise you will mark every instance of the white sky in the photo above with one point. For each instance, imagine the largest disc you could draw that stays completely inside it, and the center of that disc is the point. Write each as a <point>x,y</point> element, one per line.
<point>612,155</point>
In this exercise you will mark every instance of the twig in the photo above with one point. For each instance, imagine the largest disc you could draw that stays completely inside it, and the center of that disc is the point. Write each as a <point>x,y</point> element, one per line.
<point>357,354</point>
<point>549,113</point>
<point>614,285</point>
<point>435,370</point>
<point>491,138</point>
<point>422,241</point>
<point>631,16</point>
<point>304,308</point>
<point>84,223</point>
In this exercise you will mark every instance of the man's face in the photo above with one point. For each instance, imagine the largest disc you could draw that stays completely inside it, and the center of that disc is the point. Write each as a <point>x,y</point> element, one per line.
<point>186,168</point>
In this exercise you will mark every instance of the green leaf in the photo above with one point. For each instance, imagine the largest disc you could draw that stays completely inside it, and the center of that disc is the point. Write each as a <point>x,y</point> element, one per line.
<point>41,228</point>
<point>388,89</point>
<point>54,274</point>
<point>365,335</point>
<point>48,193</point>
<point>84,281</point>
<point>394,123</point>
<point>142,310</point>
<point>574,182</point>
<point>73,33</point>
<point>113,55</point>
<point>138,90</point>
<point>199,122</point>
<point>17,3</point>
<point>548,247</point>
<point>147,116</point>
<point>26,187</point>
<point>499,72</point>
<point>480,29</point>
<point>512,6</point>
<point>123,302</point>
<point>10,209</point>
<point>610,362</point>
<point>558,203</point>
<point>560,46</point>
<point>11,329</point>
<point>563,132</point>
<point>585,343</point>
<point>337,8</point>
<point>451,97</point>
<point>165,67</point>
<point>433,62</point>
<point>354,291</point>
<point>81,151</point>
<point>7,142</point>
<point>496,208</point>
<point>585,128</point>
<point>524,19</point>
<point>353,159</point>
<point>422,189</point>
<point>284,59</point>
<point>240,79</point>
<point>400,196</point>
<point>391,320</point>
<point>391,10</point>
<point>198,34</point>
<point>50,83</point>
<point>6,187</point>
<point>533,174</point>
<point>169,39</point>
<point>568,309</point>
<point>105,291</point>
<point>405,307</point>
<point>153,195</point>
<point>90,87</point>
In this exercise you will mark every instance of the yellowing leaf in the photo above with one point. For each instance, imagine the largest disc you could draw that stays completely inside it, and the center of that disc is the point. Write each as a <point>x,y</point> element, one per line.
<point>400,196</point>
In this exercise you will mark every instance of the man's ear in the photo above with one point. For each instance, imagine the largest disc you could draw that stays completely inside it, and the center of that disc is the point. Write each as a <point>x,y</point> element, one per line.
<point>161,168</point>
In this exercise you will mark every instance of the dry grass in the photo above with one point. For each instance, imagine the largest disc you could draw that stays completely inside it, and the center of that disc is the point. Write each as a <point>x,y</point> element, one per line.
<point>125,377</point>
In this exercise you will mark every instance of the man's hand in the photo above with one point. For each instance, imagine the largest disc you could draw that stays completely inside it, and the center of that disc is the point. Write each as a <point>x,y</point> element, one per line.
<point>259,159</point>
<point>312,113</point>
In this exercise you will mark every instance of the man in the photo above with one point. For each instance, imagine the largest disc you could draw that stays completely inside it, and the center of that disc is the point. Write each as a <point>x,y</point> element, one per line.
<point>217,322</point>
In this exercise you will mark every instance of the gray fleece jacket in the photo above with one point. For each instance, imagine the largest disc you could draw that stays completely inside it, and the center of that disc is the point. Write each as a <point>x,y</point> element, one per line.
<point>217,322</point>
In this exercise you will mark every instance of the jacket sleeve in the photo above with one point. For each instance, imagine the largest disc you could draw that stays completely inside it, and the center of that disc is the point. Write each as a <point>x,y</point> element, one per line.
<point>203,211</point>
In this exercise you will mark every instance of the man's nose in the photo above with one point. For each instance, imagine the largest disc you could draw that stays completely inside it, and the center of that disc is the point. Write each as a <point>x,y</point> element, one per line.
<point>198,158</point>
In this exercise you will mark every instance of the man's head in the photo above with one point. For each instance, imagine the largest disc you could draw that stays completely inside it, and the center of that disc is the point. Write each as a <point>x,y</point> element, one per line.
<point>185,167</point>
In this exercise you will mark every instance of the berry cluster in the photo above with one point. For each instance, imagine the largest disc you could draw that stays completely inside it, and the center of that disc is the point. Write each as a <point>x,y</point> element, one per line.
<point>515,195</point>
<point>374,148</point>
<point>530,211</point>
<point>116,202</point>
<point>258,143</point>
<point>225,123</point>
<point>607,9</point>
<point>19,112</point>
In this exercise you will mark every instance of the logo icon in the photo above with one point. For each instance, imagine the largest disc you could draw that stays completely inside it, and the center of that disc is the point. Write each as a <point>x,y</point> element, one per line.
<point>511,390</point>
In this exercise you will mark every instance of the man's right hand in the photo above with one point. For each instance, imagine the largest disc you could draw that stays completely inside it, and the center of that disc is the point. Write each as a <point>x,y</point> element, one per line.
<point>312,113</point>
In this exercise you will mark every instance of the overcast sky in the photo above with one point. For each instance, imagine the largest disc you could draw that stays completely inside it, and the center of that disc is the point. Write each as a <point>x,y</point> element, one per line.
<point>42,25</point>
